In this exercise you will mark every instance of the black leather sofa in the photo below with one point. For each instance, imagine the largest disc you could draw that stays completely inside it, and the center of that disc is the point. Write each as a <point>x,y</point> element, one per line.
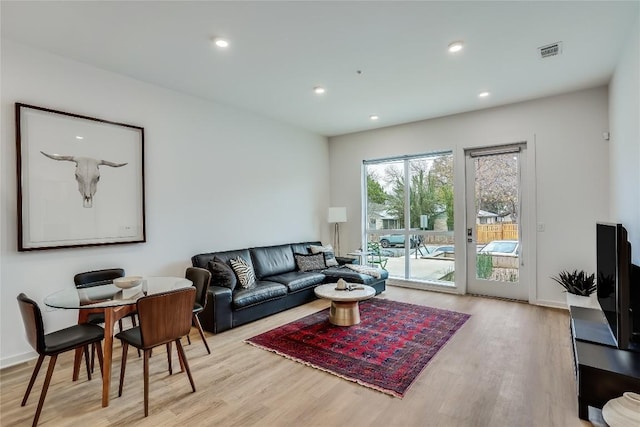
<point>279,284</point>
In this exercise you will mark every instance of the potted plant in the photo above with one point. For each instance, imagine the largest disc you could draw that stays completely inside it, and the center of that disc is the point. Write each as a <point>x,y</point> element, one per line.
<point>579,287</point>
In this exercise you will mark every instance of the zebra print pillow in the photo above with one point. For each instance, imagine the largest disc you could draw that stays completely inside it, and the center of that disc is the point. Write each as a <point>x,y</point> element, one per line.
<point>244,271</point>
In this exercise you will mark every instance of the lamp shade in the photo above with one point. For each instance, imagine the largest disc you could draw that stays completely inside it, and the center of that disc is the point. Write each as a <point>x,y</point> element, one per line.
<point>337,215</point>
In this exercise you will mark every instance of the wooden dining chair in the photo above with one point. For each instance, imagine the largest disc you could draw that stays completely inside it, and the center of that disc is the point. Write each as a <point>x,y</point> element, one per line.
<point>53,344</point>
<point>201,278</point>
<point>164,318</point>
<point>89,279</point>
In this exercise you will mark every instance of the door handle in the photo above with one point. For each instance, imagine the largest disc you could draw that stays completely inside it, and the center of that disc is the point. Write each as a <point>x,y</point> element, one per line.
<point>470,235</point>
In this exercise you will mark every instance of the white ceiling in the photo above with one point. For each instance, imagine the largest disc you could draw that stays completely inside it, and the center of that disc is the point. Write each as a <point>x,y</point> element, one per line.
<point>280,50</point>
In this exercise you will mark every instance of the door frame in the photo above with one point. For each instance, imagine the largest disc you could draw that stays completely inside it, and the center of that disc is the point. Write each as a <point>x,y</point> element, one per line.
<point>528,217</point>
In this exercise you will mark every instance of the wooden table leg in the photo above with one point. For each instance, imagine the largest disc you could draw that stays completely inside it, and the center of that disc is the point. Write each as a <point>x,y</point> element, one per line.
<point>111,316</point>
<point>107,352</point>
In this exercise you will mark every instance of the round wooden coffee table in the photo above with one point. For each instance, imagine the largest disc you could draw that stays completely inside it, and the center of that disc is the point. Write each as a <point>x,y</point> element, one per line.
<point>344,304</point>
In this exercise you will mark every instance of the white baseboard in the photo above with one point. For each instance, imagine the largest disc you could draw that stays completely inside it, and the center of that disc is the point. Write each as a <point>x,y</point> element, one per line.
<point>552,304</point>
<point>17,359</point>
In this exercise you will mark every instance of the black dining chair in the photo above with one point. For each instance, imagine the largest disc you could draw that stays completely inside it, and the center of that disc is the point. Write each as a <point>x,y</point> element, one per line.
<point>201,278</point>
<point>53,344</point>
<point>164,318</point>
<point>90,279</point>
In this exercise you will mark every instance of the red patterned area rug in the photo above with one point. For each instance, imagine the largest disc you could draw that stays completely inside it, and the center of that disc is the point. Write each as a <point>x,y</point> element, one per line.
<point>387,351</point>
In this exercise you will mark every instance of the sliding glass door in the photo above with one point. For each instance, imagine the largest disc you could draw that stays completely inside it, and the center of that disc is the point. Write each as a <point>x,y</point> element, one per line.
<point>409,216</point>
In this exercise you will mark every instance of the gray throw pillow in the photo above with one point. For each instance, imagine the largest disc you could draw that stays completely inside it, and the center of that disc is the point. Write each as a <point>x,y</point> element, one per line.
<point>222,275</point>
<point>329,255</point>
<point>310,262</point>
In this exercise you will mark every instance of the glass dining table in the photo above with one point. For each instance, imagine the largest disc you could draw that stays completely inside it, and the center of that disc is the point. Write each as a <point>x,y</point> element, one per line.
<point>115,303</point>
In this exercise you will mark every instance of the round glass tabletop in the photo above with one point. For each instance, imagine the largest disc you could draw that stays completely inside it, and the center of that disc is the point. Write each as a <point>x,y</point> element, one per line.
<point>112,296</point>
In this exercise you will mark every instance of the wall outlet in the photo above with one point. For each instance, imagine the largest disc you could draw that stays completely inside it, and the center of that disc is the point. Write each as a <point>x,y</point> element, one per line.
<point>540,227</point>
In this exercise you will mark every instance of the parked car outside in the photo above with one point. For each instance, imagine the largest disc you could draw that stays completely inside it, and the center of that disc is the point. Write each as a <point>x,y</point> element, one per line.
<point>501,247</point>
<point>389,240</point>
<point>441,249</point>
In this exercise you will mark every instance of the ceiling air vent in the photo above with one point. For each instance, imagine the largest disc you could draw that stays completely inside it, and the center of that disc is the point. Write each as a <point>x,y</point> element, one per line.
<point>550,50</point>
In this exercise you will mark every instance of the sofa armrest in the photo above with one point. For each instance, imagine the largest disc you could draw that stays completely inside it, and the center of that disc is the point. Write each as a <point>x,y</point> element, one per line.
<point>217,314</point>
<point>345,260</point>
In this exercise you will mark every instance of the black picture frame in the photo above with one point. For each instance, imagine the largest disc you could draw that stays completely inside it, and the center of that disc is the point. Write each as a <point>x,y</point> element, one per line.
<point>102,203</point>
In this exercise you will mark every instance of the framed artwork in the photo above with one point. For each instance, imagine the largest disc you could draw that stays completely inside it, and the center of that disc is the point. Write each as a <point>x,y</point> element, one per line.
<point>80,180</point>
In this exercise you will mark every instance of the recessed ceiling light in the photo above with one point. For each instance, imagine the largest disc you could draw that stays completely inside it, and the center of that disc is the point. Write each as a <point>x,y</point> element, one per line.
<point>456,46</point>
<point>373,117</point>
<point>483,94</point>
<point>319,90</point>
<point>79,137</point>
<point>220,42</point>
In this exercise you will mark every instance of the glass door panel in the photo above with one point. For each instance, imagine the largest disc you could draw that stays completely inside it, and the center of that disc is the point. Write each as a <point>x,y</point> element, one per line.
<point>493,222</point>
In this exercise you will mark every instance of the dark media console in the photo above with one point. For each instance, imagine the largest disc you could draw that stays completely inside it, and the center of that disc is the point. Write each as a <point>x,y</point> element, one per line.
<point>603,372</point>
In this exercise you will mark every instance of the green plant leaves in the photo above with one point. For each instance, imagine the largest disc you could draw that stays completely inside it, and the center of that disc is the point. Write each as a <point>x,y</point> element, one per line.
<point>578,283</point>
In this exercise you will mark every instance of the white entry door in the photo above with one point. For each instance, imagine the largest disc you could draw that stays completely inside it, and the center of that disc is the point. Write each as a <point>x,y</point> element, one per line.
<point>494,218</point>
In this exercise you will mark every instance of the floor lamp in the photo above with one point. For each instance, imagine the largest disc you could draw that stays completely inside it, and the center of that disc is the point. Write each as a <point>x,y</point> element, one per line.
<point>335,217</point>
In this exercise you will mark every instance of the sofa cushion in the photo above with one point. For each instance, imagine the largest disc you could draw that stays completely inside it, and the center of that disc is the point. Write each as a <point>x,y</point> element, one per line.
<point>353,276</point>
<point>329,254</point>
<point>201,260</point>
<point>261,292</point>
<point>270,260</point>
<point>226,256</point>
<point>311,262</point>
<point>303,247</point>
<point>244,271</point>
<point>296,280</point>
<point>222,274</point>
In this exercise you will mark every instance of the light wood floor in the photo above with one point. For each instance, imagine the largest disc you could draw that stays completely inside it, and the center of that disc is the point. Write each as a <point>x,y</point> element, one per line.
<point>509,365</point>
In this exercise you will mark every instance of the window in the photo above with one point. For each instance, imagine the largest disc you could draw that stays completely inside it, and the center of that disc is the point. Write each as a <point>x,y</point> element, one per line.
<point>409,214</point>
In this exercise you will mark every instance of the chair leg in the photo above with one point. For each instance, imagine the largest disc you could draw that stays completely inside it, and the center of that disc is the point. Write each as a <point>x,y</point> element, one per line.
<point>182,357</point>
<point>45,387</point>
<point>100,358</point>
<point>146,383</point>
<point>93,356</point>
<point>86,361</point>
<point>196,320</point>
<point>123,365</point>
<point>36,369</point>
<point>169,357</point>
<point>135,324</point>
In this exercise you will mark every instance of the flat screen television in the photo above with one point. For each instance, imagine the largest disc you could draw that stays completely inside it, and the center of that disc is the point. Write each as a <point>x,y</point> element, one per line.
<point>616,284</point>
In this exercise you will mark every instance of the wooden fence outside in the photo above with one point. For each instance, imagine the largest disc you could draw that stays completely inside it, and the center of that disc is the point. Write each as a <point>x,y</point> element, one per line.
<point>489,232</point>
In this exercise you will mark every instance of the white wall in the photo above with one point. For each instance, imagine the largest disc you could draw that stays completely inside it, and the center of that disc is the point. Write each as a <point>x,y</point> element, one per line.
<point>571,177</point>
<point>624,115</point>
<point>216,178</point>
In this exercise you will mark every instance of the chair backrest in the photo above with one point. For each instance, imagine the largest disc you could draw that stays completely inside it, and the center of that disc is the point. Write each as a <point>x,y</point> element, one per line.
<point>375,255</point>
<point>33,324</point>
<point>201,279</point>
<point>165,317</point>
<point>97,277</point>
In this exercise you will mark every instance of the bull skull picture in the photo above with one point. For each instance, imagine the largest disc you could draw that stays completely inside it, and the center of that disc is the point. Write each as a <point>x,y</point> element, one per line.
<point>87,174</point>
